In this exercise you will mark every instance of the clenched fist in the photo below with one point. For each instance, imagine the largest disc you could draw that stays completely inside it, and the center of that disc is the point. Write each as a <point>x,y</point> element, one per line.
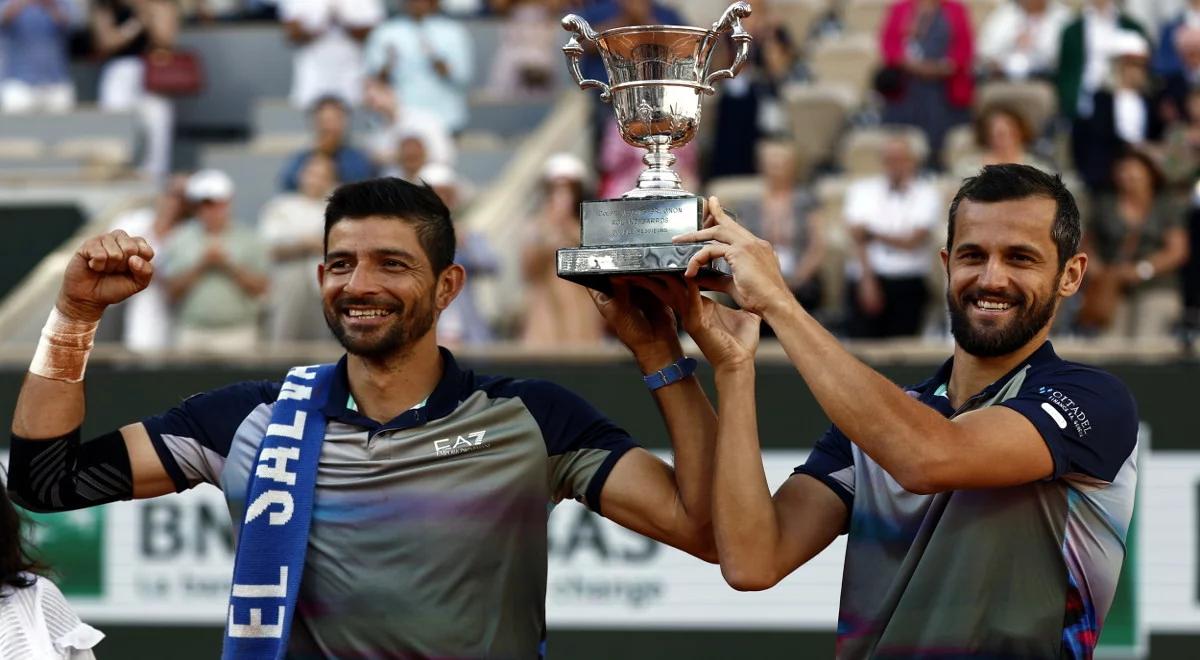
<point>104,270</point>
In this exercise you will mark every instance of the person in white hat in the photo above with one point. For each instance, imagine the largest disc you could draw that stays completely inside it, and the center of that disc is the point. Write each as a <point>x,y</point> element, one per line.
<point>1122,114</point>
<point>557,312</point>
<point>213,269</point>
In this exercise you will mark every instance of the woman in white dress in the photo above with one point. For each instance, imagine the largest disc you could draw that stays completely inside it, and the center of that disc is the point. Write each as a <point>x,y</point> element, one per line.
<point>36,623</point>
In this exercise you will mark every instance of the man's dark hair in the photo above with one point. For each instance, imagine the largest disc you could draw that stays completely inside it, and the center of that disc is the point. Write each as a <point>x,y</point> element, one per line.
<point>1002,183</point>
<point>406,202</point>
<point>15,561</point>
<point>328,99</point>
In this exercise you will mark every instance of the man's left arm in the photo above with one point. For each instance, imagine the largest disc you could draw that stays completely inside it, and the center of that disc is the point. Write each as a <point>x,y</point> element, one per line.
<point>643,493</point>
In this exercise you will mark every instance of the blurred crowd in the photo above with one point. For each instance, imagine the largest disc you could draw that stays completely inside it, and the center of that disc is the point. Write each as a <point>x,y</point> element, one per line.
<point>924,93</point>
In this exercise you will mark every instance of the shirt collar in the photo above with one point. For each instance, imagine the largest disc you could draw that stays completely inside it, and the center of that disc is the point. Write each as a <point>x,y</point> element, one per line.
<point>442,401</point>
<point>1044,354</point>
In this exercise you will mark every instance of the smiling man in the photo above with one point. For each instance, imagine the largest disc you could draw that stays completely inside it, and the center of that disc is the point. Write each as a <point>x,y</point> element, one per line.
<point>422,488</point>
<point>986,507</point>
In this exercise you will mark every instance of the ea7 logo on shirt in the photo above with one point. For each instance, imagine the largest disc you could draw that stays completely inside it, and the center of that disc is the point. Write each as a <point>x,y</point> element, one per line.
<point>460,444</point>
<point>1063,409</point>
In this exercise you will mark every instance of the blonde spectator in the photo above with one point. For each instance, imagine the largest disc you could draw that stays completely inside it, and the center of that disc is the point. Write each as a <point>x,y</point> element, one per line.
<point>1002,135</point>
<point>557,312</point>
<point>213,269</point>
<point>292,226</point>
<point>788,218</point>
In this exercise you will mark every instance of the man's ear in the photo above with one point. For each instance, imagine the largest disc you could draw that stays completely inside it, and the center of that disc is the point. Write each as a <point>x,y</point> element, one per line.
<point>1072,276</point>
<point>450,283</point>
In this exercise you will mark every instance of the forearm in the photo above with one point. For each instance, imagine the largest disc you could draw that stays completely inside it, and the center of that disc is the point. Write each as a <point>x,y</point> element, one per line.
<point>908,439</point>
<point>745,525</point>
<point>177,287</point>
<point>692,426</point>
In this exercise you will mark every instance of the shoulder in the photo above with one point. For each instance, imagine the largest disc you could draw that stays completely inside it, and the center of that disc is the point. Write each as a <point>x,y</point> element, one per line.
<point>1084,397</point>
<point>532,391</point>
<point>230,404</point>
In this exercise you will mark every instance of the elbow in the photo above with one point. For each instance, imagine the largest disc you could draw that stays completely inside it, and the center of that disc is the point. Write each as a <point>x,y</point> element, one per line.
<point>24,497</point>
<point>744,578</point>
<point>924,477</point>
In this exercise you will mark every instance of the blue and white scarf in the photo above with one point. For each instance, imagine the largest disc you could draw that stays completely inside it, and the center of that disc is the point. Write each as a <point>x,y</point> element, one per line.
<point>274,529</point>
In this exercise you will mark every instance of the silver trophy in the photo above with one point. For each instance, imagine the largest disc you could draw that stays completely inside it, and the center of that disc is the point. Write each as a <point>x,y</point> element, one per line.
<point>657,74</point>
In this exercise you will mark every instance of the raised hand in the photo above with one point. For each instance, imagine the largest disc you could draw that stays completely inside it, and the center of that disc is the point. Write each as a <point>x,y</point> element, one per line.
<point>104,270</point>
<point>642,321</point>
<point>757,281</point>
<point>727,337</point>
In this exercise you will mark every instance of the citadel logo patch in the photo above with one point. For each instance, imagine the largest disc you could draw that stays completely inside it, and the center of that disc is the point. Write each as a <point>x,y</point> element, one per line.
<point>1063,410</point>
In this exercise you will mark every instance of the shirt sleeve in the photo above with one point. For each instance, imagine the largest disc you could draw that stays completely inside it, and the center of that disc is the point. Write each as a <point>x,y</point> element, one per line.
<point>582,444</point>
<point>832,463</point>
<point>192,439</point>
<point>1088,419</point>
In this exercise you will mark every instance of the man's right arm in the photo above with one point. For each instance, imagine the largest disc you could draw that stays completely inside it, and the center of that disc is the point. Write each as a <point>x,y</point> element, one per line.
<point>50,406</point>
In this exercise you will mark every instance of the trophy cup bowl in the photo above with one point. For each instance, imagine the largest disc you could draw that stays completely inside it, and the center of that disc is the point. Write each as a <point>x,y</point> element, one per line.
<point>657,75</point>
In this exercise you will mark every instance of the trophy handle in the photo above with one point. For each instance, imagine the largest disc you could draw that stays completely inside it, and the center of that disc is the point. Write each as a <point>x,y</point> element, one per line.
<point>730,20</point>
<point>574,52</point>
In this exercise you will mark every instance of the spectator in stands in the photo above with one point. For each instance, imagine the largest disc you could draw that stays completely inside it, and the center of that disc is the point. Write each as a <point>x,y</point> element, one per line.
<point>327,36</point>
<point>37,622</point>
<point>147,317</point>
<point>1021,37</point>
<point>1179,83</point>
<point>34,73</point>
<point>787,216</point>
<point>749,105</point>
<point>557,312</point>
<point>428,59</point>
<point>1122,114</point>
<point>889,218</point>
<point>527,61</point>
<point>1002,135</point>
<point>1181,145</point>
<point>1086,53</point>
<point>292,226</point>
<point>123,31</point>
<point>411,156</point>
<point>1166,57</point>
<point>929,42</point>
<point>393,121</point>
<point>462,323</point>
<point>1191,276</point>
<point>330,122</point>
<point>214,272</point>
<point>1137,243</point>
<point>621,164</point>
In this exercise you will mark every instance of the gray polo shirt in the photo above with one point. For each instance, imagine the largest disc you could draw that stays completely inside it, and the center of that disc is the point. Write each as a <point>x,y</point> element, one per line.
<point>428,533</point>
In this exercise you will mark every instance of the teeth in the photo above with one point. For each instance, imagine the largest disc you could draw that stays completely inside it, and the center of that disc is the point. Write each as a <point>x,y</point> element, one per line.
<point>366,313</point>
<point>992,306</point>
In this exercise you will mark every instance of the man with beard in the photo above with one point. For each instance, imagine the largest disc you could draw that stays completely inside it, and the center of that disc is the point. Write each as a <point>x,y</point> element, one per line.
<point>986,507</point>
<point>429,502</point>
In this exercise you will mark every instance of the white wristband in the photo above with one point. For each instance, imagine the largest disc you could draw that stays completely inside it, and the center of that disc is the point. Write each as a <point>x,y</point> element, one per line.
<point>62,352</point>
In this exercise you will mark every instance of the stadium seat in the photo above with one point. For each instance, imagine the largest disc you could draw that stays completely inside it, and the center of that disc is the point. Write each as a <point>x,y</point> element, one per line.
<point>482,165</point>
<point>273,115</point>
<point>1034,99</point>
<point>959,144</point>
<point>849,60</point>
<point>862,148</point>
<point>256,175</point>
<point>507,118</point>
<point>980,10</point>
<point>818,114</point>
<point>799,16</point>
<point>831,197</point>
<point>21,148</point>
<point>864,16</point>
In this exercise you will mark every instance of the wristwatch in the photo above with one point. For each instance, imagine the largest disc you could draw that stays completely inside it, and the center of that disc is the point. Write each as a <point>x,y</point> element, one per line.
<point>672,373</point>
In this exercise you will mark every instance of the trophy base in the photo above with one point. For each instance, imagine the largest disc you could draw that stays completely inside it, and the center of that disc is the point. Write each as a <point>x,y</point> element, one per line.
<point>593,266</point>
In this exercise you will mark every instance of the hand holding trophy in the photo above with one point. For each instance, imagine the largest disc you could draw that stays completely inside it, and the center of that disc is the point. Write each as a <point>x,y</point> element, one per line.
<point>656,74</point>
